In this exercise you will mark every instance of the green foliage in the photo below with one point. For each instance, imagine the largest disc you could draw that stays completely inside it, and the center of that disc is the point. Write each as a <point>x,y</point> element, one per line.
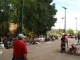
<point>70,31</point>
<point>38,15</point>
<point>78,32</point>
<point>7,11</point>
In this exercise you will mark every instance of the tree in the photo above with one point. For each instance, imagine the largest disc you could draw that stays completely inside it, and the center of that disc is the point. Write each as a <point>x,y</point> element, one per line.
<point>78,32</point>
<point>70,31</point>
<point>8,14</point>
<point>39,17</point>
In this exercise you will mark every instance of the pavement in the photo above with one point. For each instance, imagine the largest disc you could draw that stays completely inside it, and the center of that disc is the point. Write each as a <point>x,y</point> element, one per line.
<point>44,51</point>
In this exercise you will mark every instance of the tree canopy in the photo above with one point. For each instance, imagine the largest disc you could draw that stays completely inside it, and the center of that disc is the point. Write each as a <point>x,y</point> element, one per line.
<point>70,31</point>
<point>38,17</point>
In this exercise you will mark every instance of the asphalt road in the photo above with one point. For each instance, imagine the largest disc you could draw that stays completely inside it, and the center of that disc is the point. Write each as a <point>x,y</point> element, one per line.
<point>44,51</point>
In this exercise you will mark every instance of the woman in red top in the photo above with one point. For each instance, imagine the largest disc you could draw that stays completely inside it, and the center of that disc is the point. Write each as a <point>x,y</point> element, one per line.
<point>19,49</point>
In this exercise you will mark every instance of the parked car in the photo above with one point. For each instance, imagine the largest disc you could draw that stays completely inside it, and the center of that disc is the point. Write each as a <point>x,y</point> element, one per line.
<point>71,36</point>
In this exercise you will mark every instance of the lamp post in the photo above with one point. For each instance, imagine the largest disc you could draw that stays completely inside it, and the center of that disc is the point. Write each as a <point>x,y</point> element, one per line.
<point>64,25</point>
<point>10,7</point>
<point>76,25</point>
<point>21,22</point>
<point>65,20</point>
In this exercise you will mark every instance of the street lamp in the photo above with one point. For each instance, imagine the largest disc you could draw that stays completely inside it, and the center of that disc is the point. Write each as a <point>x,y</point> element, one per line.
<point>65,20</point>
<point>76,25</point>
<point>21,22</point>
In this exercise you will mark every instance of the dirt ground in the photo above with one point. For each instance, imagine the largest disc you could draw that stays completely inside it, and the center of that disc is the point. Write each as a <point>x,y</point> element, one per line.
<point>44,51</point>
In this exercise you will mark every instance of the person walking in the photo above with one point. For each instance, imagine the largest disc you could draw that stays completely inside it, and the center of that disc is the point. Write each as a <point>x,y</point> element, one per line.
<point>20,49</point>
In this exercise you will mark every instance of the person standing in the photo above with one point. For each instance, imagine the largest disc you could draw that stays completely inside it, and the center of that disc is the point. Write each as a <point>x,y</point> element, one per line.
<point>66,40</point>
<point>78,38</point>
<point>19,49</point>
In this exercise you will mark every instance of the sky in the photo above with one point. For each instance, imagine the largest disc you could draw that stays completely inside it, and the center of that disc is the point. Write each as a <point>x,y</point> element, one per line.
<point>72,12</point>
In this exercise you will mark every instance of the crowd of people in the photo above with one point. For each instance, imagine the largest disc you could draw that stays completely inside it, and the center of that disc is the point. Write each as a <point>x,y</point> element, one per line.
<point>7,41</point>
<point>41,38</point>
<point>35,39</point>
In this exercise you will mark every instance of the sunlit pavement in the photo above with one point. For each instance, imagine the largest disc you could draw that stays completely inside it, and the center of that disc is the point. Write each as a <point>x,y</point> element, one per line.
<point>44,51</point>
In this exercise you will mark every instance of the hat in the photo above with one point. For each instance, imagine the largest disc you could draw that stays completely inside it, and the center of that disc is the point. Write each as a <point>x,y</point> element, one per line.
<point>21,36</point>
